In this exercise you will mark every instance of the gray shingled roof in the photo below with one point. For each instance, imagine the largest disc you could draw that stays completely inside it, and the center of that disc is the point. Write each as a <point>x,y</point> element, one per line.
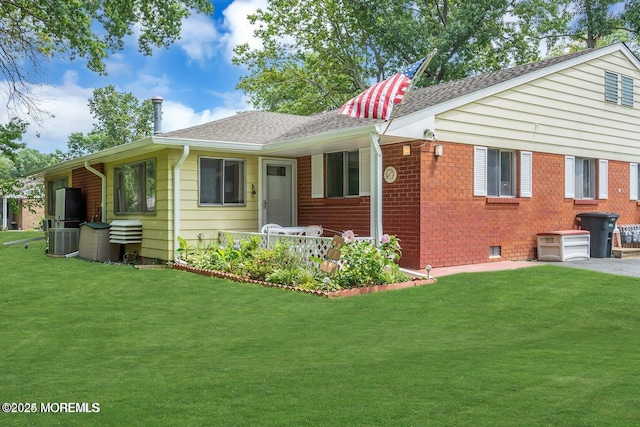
<point>254,127</point>
<point>260,127</point>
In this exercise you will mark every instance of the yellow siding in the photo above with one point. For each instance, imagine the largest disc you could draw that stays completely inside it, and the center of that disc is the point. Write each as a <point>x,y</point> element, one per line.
<point>156,235</point>
<point>195,219</point>
<point>564,112</point>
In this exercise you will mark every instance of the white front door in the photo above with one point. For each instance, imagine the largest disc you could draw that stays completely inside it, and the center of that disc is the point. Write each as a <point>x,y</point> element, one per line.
<point>278,192</point>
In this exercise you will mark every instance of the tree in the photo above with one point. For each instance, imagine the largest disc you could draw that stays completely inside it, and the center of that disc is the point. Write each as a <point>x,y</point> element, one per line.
<point>11,135</point>
<point>578,24</point>
<point>33,31</point>
<point>121,118</point>
<point>315,55</point>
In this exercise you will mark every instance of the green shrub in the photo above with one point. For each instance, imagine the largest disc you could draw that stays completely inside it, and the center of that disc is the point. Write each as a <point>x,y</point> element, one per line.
<point>361,263</point>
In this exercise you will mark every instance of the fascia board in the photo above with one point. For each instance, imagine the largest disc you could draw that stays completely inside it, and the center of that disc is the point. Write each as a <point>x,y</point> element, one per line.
<point>225,146</point>
<point>404,121</point>
<point>109,153</point>
<point>318,139</point>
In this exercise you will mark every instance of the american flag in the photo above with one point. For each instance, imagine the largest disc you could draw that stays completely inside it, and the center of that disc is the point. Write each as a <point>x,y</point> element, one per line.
<point>377,101</point>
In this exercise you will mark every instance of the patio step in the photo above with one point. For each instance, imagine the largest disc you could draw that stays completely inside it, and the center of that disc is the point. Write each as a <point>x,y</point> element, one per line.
<point>625,252</point>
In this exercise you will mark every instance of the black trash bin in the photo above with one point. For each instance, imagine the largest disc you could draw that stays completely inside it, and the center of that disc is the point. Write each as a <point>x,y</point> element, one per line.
<point>601,226</point>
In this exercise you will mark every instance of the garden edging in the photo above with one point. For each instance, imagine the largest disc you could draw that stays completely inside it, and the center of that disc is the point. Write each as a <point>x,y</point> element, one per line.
<point>336,294</point>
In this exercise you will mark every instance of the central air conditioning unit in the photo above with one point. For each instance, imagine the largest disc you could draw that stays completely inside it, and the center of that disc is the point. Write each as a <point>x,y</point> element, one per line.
<point>63,241</point>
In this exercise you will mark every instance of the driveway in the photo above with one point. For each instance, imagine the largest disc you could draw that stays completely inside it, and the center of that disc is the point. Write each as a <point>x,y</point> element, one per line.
<point>621,266</point>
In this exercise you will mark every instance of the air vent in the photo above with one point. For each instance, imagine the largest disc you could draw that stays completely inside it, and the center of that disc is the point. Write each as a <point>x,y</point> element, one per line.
<point>125,232</point>
<point>63,241</point>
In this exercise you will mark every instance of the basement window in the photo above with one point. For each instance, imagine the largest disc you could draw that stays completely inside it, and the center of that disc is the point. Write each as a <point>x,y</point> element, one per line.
<point>495,251</point>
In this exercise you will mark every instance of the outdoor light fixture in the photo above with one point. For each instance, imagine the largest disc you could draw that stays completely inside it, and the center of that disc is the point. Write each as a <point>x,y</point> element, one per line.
<point>253,189</point>
<point>428,268</point>
<point>430,135</point>
<point>437,150</point>
<point>406,150</point>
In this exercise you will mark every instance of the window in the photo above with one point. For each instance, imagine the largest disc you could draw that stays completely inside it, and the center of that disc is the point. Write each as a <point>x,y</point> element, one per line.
<point>580,178</point>
<point>52,186</point>
<point>495,173</point>
<point>501,176</point>
<point>221,181</point>
<point>614,86</point>
<point>343,174</point>
<point>135,187</point>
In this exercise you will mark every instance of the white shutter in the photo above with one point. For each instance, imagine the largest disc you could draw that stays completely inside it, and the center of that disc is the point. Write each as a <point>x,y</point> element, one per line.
<point>479,171</point>
<point>603,179</point>
<point>633,181</point>
<point>365,171</point>
<point>569,177</point>
<point>526,172</point>
<point>317,176</point>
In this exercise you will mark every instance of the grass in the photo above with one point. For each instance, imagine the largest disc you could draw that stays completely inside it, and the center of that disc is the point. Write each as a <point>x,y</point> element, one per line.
<point>539,346</point>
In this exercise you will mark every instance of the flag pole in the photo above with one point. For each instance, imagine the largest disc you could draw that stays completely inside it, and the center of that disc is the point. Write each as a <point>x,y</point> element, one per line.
<point>415,78</point>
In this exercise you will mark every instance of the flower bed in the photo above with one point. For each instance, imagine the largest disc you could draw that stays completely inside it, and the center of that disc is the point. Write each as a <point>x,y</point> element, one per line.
<point>348,264</point>
<point>343,293</point>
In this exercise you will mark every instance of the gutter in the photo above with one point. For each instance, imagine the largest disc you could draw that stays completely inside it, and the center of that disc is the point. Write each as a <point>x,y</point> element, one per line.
<point>103,178</point>
<point>176,198</point>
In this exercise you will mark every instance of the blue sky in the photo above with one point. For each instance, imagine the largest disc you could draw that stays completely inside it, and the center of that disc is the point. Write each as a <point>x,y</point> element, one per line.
<point>194,76</point>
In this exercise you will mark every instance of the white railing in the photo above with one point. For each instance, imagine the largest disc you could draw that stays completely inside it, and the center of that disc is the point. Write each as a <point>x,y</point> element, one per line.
<point>304,246</point>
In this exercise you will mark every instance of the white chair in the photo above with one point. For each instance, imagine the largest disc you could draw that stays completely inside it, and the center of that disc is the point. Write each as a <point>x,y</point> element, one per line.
<point>267,227</point>
<point>311,230</point>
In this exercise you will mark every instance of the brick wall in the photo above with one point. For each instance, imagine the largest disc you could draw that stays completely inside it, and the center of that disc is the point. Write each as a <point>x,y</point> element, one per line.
<point>91,186</point>
<point>458,228</point>
<point>401,201</point>
<point>350,213</point>
<point>432,210</point>
<point>28,220</point>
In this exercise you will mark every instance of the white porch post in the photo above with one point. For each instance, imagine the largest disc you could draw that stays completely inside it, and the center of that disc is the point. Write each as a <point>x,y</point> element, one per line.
<point>376,189</point>
<point>4,212</point>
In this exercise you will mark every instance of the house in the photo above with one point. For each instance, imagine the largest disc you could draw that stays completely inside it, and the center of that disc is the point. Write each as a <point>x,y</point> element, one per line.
<point>22,210</point>
<point>467,172</point>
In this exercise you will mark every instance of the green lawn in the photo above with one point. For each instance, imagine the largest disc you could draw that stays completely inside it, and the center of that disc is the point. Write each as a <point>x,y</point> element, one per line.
<point>539,346</point>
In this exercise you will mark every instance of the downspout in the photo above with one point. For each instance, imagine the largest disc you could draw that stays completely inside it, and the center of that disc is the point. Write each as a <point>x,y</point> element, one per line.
<point>176,199</point>
<point>376,189</point>
<point>103,179</point>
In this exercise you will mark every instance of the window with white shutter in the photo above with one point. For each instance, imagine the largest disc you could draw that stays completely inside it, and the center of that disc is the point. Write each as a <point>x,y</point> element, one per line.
<point>633,181</point>
<point>603,179</point>
<point>569,177</point>
<point>365,171</point>
<point>526,173</point>
<point>480,171</point>
<point>317,176</point>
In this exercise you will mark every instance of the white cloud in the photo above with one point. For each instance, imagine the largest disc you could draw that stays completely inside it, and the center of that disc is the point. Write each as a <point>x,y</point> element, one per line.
<point>179,116</point>
<point>237,24</point>
<point>146,85</point>
<point>68,110</point>
<point>198,38</point>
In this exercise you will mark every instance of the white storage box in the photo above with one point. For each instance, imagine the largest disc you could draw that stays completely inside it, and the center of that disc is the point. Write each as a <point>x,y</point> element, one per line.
<point>564,245</point>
